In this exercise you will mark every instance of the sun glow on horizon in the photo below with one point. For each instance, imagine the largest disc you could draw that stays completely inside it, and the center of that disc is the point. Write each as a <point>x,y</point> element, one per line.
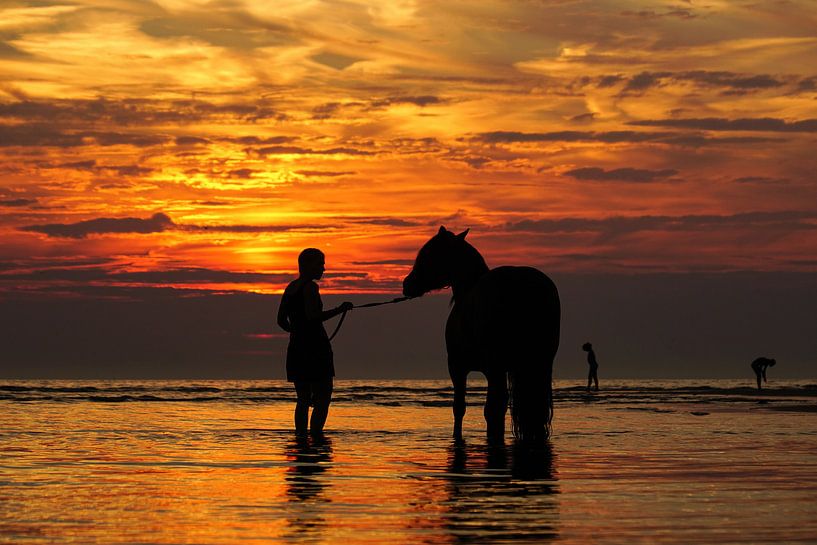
<point>203,144</point>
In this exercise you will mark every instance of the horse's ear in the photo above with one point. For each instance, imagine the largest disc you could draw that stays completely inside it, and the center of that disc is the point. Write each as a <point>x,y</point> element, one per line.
<point>462,235</point>
<point>442,230</point>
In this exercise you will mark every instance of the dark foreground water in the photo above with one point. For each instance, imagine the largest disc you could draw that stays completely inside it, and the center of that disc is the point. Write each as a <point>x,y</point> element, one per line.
<point>215,462</point>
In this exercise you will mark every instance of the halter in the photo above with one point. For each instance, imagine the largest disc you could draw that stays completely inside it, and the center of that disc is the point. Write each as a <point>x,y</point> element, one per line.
<point>367,305</point>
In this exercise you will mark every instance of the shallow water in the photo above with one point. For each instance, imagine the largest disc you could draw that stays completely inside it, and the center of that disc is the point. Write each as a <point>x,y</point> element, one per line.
<point>215,462</point>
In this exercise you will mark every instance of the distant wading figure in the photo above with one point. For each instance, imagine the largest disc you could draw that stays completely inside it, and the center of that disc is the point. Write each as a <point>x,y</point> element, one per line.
<point>593,374</point>
<point>504,323</point>
<point>759,367</point>
<point>310,362</point>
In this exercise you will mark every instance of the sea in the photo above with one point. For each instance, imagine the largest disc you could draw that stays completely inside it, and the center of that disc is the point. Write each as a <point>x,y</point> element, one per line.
<point>217,462</point>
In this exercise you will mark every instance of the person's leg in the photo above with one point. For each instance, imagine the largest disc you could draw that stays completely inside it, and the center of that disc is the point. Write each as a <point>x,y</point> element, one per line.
<point>596,379</point>
<point>321,398</point>
<point>304,391</point>
<point>589,379</point>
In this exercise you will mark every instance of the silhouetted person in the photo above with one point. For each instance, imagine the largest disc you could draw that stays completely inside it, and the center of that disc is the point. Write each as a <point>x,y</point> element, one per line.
<point>310,362</point>
<point>759,367</point>
<point>592,376</point>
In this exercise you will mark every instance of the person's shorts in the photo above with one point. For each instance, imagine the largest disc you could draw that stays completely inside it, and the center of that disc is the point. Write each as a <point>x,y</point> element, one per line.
<point>314,392</point>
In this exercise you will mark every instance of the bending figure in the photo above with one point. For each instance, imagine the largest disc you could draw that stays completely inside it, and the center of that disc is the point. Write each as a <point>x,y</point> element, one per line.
<point>759,367</point>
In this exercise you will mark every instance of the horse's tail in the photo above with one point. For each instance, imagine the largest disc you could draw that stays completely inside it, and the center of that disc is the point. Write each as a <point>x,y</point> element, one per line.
<point>531,401</point>
<point>530,376</point>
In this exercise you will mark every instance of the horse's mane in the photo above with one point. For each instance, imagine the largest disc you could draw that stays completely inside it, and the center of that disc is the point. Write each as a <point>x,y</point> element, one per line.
<point>471,265</point>
<point>472,259</point>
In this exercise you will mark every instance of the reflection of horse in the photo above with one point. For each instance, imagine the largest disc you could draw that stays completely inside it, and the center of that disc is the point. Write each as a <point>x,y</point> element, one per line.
<point>499,494</point>
<point>504,323</point>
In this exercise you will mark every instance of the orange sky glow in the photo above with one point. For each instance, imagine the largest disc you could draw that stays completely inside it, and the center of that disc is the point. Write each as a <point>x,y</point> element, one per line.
<point>203,144</point>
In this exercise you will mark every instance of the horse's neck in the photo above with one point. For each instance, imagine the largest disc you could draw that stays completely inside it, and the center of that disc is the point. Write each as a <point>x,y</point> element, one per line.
<point>467,271</point>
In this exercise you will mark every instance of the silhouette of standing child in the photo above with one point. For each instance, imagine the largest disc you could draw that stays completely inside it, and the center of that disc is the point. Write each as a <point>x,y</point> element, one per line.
<point>592,376</point>
<point>310,362</point>
<point>759,367</point>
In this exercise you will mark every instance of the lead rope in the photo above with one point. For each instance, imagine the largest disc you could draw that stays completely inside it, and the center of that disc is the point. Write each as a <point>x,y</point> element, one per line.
<point>367,305</point>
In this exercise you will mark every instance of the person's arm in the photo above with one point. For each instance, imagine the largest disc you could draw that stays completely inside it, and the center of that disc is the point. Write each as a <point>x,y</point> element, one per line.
<point>313,307</point>
<point>283,314</point>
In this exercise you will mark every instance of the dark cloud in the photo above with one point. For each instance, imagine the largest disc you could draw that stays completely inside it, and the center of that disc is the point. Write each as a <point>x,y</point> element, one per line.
<point>212,203</point>
<point>249,228</point>
<point>10,52</point>
<point>126,139</point>
<point>17,202</point>
<point>333,109</point>
<point>190,140</point>
<point>615,137</point>
<point>645,80</point>
<point>759,180</point>
<point>78,165</point>
<point>326,111</point>
<point>508,137</point>
<point>183,275</point>
<point>296,150</point>
<point>128,170</point>
<point>422,100</point>
<point>731,82</point>
<point>393,222</point>
<point>697,140</point>
<point>229,29</point>
<point>242,173</point>
<point>37,135</point>
<point>157,223</point>
<point>620,225</point>
<point>763,124</point>
<point>257,141</point>
<point>609,81</point>
<point>193,275</point>
<point>325,173</point>
<point>134,112</point>
<point>400,262</point>
<point>626,174</point>
<point>335,60</point>
<point>583,118</point>
<point>807,84</point>
<point>93,166</point>
<point>680,13</point>
<point>474,161</point>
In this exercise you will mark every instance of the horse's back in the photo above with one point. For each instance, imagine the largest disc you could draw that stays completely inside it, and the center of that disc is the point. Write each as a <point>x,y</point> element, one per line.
<point>516,312</point>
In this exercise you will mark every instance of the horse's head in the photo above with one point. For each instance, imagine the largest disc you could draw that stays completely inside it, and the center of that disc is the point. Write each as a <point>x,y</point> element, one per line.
<point>433,266</point>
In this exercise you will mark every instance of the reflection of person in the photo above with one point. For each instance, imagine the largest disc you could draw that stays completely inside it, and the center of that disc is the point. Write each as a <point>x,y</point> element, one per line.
<point>308,459</point>
<point>759,367</point>
<point>592,375</point>
<point>309,354</point>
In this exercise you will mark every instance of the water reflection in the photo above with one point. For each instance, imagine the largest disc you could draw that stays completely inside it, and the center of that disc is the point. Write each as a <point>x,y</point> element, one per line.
<point>306,486</point>
<point>499,493</point>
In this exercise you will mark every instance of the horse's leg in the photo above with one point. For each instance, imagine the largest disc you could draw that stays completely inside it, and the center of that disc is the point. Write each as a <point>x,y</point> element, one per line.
<point>459,380</point>
<point>496,405</point>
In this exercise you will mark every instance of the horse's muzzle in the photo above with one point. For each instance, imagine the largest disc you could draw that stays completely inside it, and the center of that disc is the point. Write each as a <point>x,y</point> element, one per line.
<point>411,287</point>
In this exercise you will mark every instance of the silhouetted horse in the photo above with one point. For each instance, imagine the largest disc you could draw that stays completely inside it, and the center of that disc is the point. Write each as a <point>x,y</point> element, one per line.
<point>504,323</point>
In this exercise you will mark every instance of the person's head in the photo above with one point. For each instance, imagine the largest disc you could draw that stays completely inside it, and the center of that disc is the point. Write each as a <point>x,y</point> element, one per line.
<point>772,362</point>
<point>587,347</point>
<point>311,263</point>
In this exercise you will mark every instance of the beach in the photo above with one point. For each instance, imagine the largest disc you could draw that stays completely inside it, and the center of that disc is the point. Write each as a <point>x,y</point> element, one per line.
<point>685,461</point>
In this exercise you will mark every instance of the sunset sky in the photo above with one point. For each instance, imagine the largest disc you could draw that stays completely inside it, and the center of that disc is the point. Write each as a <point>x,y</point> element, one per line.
<point>199,145</point>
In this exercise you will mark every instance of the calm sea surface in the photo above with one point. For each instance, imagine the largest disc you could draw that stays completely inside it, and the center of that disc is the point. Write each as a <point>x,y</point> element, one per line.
<point>215,462</point>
